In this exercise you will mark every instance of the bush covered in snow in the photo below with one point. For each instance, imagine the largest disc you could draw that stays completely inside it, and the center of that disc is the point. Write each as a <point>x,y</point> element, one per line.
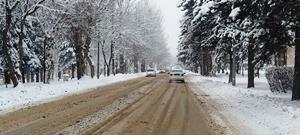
<point>280,79</point>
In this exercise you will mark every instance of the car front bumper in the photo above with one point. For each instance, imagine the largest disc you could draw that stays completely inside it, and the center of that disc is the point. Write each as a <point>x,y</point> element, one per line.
<point>176,78</point>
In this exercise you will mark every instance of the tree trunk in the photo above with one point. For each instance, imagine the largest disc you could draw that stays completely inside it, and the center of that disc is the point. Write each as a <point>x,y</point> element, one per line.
<point>98,60</point>
<point>92,67</point>
<point>48,59</point>
<point>113,65</point>
<point>122,64</point>
<point>230,67</point>
<point>108,70</point>
<point>48,77</point>
<point>205,62</point>
<point>8,60</point>
<point>37,76</point>
<point>126,66</point>
<point>32,77</point>
<point>251,66</point>
<point>242,68</point>
<point>219,69</point>
<point>77,37</point>
<point>104,69</point>
<point>42,78</point>
<point>202,62</point>
<point>257,72</point>
<point>27,77</point>
<point>234,65</point>
<point>143,66</point>
<point>112,57</point>
<point>296,85</point>
<point>201,68</point>
<point>136,64</point>
<point>73,71</point>
<point>209,62</point>
<point>59,75</point>
<point>21,50</point>
<point>6,77</point>
<point>107,65</point>
<point>88,56</point>
<point>238,68</point>
<point>117,62</point>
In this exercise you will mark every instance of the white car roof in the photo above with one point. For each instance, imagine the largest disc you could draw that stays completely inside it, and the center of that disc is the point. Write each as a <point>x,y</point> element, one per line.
<point>176,67</point>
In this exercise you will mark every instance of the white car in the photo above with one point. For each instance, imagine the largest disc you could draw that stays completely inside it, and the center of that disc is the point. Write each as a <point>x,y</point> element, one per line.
<point>176,75</point>
<point>150,72</point>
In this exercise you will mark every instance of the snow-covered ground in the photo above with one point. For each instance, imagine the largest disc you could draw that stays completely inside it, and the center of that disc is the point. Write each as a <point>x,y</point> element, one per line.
<point>260,110</point>
<point>36,93</point>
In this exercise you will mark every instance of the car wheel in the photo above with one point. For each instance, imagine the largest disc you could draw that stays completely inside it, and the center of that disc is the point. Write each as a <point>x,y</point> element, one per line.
<point>183,81</point>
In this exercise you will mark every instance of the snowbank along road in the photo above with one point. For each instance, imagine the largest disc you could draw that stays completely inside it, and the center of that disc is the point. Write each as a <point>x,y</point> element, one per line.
<point>143,106</point>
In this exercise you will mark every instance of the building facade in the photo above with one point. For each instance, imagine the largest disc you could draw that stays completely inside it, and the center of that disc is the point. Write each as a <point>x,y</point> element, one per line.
<point>284,57</point>
<point>290,56</point>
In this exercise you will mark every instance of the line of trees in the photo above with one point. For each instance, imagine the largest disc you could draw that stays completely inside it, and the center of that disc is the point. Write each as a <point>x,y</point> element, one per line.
<point>41,40</point>
<point>220,32</point>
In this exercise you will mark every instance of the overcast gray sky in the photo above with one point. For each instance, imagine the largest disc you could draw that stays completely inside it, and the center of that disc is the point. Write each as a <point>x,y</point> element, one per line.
<point>172,16</point>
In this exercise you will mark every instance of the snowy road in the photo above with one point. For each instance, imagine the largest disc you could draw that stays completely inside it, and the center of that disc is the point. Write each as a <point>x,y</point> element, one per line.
<point>134,107</point>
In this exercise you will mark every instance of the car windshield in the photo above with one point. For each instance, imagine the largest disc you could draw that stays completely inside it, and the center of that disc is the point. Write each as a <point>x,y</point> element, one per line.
<point>150,70</point>
<point>176,70</point>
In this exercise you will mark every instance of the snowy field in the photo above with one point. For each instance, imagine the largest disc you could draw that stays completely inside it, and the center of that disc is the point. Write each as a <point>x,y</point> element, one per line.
<point>36,93</point>
<point>260,110</point>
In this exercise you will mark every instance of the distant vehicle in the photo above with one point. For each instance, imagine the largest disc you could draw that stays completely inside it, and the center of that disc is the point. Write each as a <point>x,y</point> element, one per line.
<point>162,71</point>
<point>150,72</point>
<point>176,75</point>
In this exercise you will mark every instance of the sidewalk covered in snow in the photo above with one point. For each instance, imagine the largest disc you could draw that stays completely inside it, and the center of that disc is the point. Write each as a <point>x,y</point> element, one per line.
<point>35,93</point>
<point>258,109</point>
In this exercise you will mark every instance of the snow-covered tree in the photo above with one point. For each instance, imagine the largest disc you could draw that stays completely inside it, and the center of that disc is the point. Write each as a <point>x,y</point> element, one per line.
<point>238,29</point>
<point>44,39</point>
<point>8,7</point>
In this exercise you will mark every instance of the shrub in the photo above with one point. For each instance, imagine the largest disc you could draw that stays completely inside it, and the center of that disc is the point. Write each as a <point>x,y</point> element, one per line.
<point>280,79</point>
